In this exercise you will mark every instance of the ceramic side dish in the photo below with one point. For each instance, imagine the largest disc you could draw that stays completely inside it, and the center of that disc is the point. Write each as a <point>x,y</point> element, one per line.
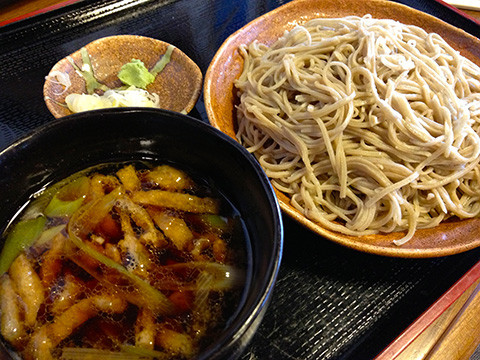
<point>178,85</point>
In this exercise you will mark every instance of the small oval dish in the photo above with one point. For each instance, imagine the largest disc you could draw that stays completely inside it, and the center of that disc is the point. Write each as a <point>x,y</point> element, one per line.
<point>176,81</point>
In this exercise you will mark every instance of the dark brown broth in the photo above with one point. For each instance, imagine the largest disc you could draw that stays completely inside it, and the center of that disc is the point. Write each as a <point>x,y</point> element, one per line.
<point>110,331</point>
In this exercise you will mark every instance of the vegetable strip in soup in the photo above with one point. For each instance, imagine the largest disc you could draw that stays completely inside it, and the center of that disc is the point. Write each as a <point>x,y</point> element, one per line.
<point>130,264</point>
<point>367,125</point>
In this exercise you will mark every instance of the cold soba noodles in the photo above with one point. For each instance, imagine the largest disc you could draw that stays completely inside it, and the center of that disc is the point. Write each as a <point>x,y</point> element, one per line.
<point>369,126</point>
<point>122,262</point>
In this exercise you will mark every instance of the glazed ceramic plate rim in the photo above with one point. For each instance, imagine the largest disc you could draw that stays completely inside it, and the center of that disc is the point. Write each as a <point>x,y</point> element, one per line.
<point>188,66</point>
<point>297,12</point>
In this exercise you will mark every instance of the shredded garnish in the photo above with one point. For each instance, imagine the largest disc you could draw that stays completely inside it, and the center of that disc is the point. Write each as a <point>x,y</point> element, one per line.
<point>112,98</point>
<point>60,78</point>
<point>71,353</point>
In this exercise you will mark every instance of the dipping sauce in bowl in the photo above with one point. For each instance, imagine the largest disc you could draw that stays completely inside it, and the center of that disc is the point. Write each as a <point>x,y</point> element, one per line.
<point>146,254</point>
<point>132,245</point>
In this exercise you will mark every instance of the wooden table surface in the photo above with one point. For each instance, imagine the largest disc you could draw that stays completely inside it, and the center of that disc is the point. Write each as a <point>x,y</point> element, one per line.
<point>13,8</point>
<point>423,346</point>
<point>17,8</point>
<point>475,14</point>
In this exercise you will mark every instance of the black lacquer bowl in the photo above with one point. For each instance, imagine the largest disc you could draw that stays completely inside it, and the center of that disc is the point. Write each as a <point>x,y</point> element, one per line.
<point>70,144</point>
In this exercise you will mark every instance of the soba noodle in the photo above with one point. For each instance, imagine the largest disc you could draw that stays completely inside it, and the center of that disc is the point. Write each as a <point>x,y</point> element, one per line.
<point>369,126</point>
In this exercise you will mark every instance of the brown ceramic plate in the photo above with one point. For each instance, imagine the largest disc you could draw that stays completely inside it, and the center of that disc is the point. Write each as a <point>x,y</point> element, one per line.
<point>178,85</point>
<point>451,237</point>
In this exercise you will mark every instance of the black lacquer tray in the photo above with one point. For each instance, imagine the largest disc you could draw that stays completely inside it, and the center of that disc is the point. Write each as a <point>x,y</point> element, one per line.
<point>330,302</point>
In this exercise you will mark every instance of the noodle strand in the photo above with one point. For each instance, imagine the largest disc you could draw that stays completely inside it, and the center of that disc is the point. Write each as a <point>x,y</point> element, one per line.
<point>368,125</point>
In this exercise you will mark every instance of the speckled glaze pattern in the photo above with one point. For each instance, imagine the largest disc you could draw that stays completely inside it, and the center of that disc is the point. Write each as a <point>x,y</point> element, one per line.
<point>451,237</point>
<point>178,85</point>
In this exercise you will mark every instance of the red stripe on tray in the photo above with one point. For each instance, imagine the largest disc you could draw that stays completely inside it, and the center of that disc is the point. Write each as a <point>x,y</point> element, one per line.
<point>458,11</point>
<point>430,315</point>
<point>37,12</point>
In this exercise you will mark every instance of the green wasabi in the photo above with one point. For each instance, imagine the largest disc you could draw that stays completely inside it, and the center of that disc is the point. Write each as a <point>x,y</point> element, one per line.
<point>135,73</point>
